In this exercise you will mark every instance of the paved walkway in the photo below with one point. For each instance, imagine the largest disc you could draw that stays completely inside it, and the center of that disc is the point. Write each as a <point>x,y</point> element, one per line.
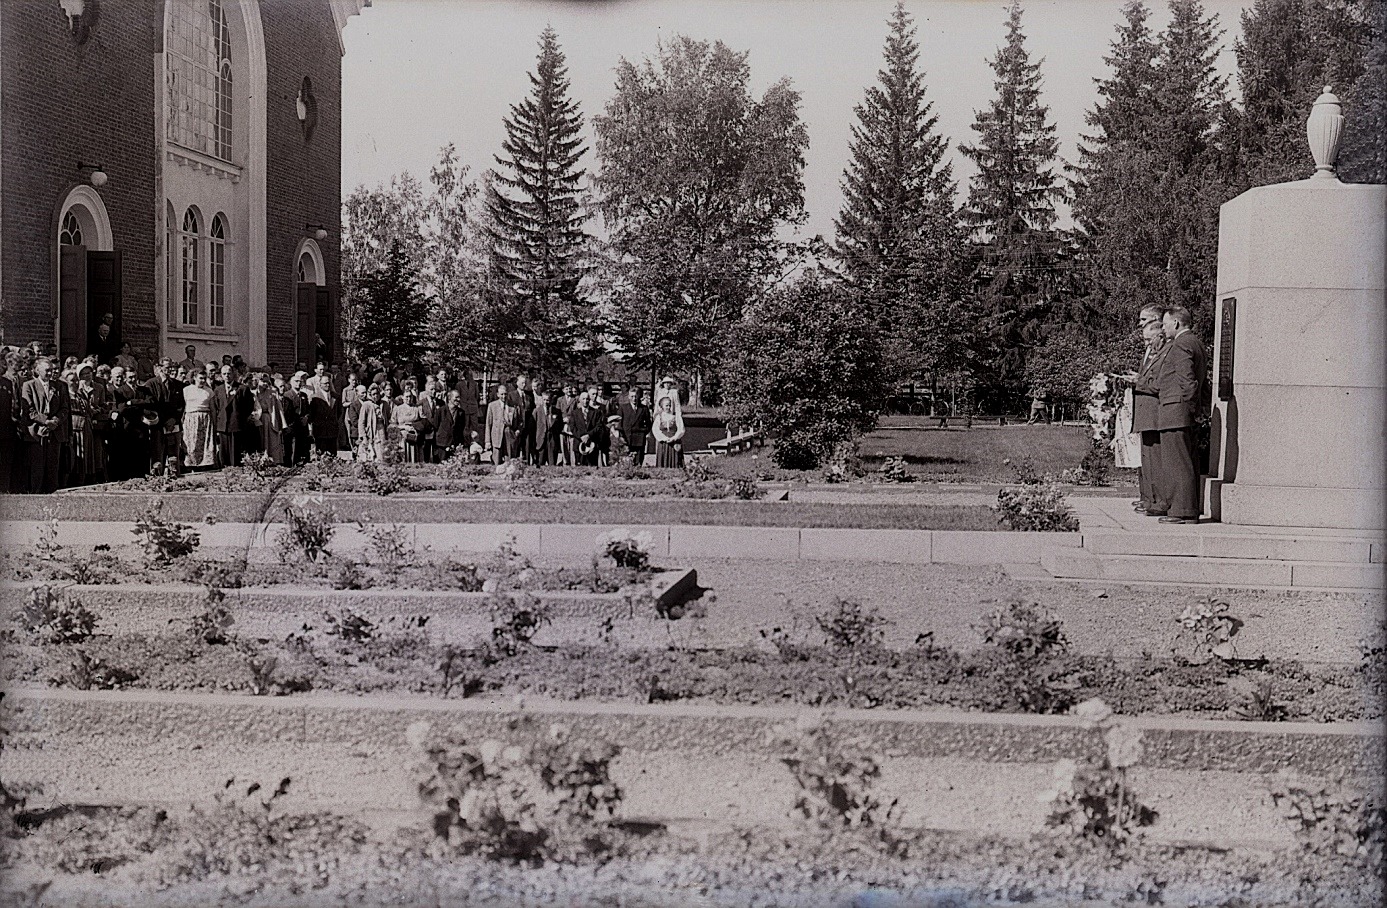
<point>1115,515</point>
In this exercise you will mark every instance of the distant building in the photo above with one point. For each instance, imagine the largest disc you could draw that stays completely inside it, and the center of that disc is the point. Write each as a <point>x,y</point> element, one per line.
<point>176,165</point>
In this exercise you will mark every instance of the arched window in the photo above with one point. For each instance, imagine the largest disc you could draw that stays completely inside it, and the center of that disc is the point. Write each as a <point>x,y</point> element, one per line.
<point>216,278</point>
<point>71,233</point>
<point>199,77</point>
<point>189,257</point>
<point>307,271</point>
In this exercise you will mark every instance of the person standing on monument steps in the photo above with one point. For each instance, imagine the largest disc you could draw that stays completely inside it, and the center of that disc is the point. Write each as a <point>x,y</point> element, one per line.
<point>1178,382</point>
<point>1146,405</point>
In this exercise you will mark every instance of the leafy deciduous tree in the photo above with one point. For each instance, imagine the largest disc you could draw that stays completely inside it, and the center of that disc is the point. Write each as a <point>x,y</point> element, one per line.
<point>696,178</point>
<point>805,363</point>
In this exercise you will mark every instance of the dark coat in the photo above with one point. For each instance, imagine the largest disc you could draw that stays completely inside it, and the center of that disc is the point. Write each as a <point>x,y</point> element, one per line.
<point>1179,381</point>
<point>449,426</point>
<point>1146,404</point>
<point>635,424</point>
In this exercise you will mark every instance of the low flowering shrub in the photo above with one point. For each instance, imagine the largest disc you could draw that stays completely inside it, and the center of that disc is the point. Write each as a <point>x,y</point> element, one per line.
<point>1334,818</point>
<point>163,541</point>
<point>844,464</point>
<point>835,779</point>
<point>893,470</point>
<point>746,488</point>
<point>537,796</point>
<point>515,619</point>
<point>308,529</point>
<point>390,549</point>
<point>1026,656</point>
<point>1036,508</point>
<point>212,625</point>
<point>1092,801</point>
<point>627,548</point>
<point>385,478</point>
<point>849,625</point>
<point>53,618</point>
<point>1206,632</point>
<point>1024,470</point>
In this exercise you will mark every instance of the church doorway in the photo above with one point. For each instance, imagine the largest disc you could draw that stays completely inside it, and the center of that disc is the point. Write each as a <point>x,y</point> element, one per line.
<point>89,279</point>
<point>314,330</point>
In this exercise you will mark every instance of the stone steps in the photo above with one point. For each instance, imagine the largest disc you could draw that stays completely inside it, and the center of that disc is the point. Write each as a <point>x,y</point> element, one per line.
<point>1250,546</point>
<point>983,773</point>
<point>1086,564</point>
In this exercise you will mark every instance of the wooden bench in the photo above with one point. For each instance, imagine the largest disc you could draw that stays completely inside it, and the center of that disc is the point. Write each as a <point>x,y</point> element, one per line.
<point>734,444</point>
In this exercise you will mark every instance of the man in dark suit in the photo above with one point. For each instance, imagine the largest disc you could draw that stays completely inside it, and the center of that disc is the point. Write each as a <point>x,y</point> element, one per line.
<point>297,420</point>
<point>523,400</point>
<point>1146,407</point>
<point>635,424</point>
<point>565,405</point>
<point>9,428</point>
<point>450,426</point>
<point>543,426</point>
<point>1179,381</point>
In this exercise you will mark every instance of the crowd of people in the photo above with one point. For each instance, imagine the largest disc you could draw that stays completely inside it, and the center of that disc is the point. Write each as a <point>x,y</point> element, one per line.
<point>113,417</point>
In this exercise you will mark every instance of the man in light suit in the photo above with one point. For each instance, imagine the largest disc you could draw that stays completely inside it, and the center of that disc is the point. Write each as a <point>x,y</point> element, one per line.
<point>1146,405</point>
<point>503,421</point>
<point>45,408</point>
<point>1179,380</point>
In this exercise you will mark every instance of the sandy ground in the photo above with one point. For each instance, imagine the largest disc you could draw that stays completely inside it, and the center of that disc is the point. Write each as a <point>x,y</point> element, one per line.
<point>949,600</point>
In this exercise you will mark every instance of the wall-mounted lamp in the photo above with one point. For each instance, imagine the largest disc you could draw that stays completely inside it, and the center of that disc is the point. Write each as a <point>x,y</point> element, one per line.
<point>98,176</point>
<point>319,231</point>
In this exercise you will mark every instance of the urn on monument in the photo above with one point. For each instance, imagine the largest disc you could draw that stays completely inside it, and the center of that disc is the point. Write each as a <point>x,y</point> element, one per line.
<point>1325,130</point>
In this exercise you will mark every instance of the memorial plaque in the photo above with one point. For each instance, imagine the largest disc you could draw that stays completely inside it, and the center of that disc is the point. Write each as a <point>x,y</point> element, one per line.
<point>1227,322</point>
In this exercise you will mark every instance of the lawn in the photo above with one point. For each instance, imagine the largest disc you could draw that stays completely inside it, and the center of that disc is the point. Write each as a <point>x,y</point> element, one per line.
<point>978,454</point>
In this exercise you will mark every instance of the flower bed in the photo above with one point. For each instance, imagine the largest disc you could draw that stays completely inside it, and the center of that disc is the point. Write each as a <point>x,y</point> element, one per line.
<point>348,654</point>
<point>240,853</point>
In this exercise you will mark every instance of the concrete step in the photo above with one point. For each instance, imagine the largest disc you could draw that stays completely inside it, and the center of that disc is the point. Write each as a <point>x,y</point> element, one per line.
<point>1085,564</point>
<point>950,770</point>
<point>1250,546</point>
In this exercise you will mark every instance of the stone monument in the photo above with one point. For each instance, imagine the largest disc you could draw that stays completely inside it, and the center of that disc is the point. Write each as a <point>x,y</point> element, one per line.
<point>1297,435</point>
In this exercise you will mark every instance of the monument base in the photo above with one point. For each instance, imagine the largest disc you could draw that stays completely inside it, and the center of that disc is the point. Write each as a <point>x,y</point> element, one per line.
<point>1288,506</point>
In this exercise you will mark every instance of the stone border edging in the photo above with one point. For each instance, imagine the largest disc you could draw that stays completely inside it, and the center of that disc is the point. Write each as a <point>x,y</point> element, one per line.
<point>125,506</point>
<point>44,717</point>
<point>979,547</point>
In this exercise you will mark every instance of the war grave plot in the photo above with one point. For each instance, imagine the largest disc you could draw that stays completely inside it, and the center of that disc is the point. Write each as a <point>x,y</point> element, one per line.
<point>447,719</point>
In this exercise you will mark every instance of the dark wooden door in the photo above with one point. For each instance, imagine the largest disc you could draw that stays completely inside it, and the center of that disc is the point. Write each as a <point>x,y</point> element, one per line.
<point>325,325</point>
<point>103,294</point>
<point>305,323</point>
<point>72,301</point>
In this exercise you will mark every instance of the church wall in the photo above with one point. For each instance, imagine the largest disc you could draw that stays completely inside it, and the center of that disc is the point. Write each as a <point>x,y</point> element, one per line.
<point>303,176</point>
<point>65,102</point>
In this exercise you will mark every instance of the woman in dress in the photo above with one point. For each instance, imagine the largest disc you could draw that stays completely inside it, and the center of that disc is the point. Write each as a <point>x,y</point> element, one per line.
<point>101,416</point>
<point>669,432</point>
<point>83,439</point>
<point>352,396</point>
<point>370,430</point>
<point>199,434</point>
<point>268,414</point>
<point>405,421</point>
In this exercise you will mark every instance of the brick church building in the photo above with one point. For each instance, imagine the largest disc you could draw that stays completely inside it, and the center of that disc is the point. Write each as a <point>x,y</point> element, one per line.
<point>172,168</point>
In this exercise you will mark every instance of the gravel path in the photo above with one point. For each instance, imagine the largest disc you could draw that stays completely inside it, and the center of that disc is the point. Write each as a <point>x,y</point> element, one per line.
<point>949,600</point>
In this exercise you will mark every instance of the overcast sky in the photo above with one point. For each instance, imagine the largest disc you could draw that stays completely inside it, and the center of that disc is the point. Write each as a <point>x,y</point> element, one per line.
<point>421,73</point>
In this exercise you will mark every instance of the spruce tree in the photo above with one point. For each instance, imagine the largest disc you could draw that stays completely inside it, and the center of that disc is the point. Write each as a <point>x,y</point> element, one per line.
<point>1011,203</point>
<point>1289,50</point>
<point>536,220</point>
<point>1113,185</point>
<point>394,313</point>
<point>1191,147</point>
<point>898,197</point>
